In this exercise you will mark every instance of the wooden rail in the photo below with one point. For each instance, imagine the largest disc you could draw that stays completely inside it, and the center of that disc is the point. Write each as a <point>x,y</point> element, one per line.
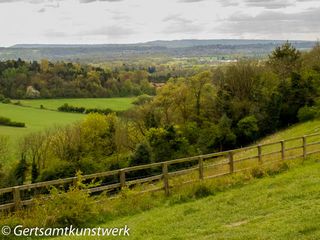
<point>203,167</point>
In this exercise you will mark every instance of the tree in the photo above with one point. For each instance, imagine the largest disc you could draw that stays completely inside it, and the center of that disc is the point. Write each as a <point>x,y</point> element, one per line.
<point>225,136</point>
<point>141,155</point>
<point>34,172</point>
<point>284,60</point>
<point>21,170</point>
<point>166,143</point>
<point>197,85</point>
<point>247,129</point>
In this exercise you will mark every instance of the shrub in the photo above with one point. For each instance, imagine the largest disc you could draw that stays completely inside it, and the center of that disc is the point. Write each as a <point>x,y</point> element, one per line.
<point>61,170</point>
<point>6,100</point>
<point>68,108</point>
<point>142,99</point>
<point>18,103</point>
<point>258,172</point>
<point>4,120</point>
<point>7,122</point>
<point>307,113</point>
<point>203,191</point>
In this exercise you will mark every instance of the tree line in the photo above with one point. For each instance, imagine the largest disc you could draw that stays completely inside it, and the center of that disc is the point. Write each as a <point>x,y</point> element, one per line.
<point>20,79</point>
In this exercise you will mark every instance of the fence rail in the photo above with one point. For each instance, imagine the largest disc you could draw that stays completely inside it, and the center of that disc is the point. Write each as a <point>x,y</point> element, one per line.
<point>160,174</point>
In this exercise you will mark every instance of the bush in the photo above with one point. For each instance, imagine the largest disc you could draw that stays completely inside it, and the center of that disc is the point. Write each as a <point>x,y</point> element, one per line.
<point>4,120</point>
<point>142,99</point>
<point>7,122</point>
<point>68,108</point>
<point>61,170</point>
<point>18,103</point>
<point>307,113</point>
<point>258,172</point>
<point>6,100</point>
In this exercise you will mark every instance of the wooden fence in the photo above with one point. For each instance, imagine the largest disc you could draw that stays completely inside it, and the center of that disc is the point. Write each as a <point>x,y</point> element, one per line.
<point>161,176</point>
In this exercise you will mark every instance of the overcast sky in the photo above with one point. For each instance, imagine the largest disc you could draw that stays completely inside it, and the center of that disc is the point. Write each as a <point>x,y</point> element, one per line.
<point>131,21</point>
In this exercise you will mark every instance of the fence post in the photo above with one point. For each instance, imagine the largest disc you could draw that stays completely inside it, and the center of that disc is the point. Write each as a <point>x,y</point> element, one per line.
<point>231,162</point>
<point>304,142</point>
<point>16,198</point>
<point>122,178</point>
<point>165,178</point>
<point>260,154</point>
<point>282,150</point>
<point>201,168</point>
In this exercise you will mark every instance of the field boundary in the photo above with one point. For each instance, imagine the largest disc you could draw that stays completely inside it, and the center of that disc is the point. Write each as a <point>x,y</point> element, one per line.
<point>159,175</point>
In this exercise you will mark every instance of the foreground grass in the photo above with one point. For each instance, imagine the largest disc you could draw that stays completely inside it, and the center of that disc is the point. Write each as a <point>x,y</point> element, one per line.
<point>117,104</point>
<point>285,206</point>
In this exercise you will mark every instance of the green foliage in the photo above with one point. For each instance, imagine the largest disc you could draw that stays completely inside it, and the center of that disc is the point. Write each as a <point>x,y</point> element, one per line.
<point>248,129</point>
<point>141,155</point>
<point>284,60</point>
<point>58,171</point>
<point>225,136</point>
<point>6,101</point>
<point>7,122</point>
<point>20,79</point>
<point>166,143</point>
<point>74,207</point>
<point>142,99</point>
<point>68,108</point>
<point>20,170</point>
<point>34,172</point>
<point>307,113</point>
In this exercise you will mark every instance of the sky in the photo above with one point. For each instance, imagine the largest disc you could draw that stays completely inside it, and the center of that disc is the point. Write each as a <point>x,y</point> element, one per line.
<point>132,21</point>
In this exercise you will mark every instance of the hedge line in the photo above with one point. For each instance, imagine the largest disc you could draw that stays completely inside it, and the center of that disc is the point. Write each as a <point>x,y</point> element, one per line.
<point>7,122</point>
<point>68,108</point>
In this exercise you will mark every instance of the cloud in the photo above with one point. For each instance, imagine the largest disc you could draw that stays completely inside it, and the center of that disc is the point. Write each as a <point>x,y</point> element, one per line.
<point>110,32</point>
<point>191,1</point>
<point>31,1</point>
<point>229,3</point>
<point>42,10</point>
<point>271,4</point>
<point>178,24</point>
<point>90,1</point>
<point>272,22</point>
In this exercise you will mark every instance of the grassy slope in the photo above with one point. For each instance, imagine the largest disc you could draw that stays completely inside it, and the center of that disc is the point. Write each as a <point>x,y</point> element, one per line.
<point>53,104</point>
<point>282,207</point>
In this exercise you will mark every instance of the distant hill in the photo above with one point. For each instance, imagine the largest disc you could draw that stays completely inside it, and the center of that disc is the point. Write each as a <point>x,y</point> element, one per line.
<point>175,48</point>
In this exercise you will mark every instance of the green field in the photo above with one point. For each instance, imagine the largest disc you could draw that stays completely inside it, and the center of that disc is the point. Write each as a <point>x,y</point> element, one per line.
<point>117,104</point>
<point>37,119</point>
